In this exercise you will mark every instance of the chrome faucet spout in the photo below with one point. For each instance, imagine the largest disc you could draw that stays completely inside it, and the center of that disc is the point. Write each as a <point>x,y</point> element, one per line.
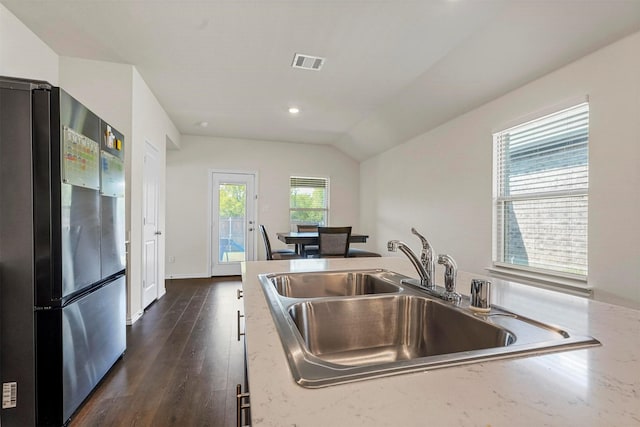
<point>425,278</point>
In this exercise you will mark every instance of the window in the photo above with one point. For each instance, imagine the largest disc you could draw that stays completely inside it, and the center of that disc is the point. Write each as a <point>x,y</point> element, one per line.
<point>541,194</point>
<point>308,201</point>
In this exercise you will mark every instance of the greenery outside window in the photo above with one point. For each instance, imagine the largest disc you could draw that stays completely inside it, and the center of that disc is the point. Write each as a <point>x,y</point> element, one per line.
<point>541,184</point>
<point>308,201</point>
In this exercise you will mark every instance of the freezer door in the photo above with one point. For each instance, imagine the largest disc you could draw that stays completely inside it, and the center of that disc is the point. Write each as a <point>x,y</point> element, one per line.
<point>93,338</point>
<point>76,346</point>
<point>80,218</point>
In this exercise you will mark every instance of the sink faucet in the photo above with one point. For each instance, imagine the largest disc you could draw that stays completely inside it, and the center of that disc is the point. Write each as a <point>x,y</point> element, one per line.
<point>450,272</point>
<point>425,279</point>
<point>425,265</point>
<point>427,269</point>
<point>426,258</point>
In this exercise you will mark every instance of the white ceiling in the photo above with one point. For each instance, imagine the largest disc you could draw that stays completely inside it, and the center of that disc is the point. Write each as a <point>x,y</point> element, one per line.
<point>394,68</point>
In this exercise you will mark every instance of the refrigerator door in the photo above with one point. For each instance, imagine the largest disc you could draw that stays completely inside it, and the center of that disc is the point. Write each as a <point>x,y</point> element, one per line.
<point>66,197</point>
<point>112,191</point>
<point>80,238</point>
<point>113,255</point>
<point>79,136</point>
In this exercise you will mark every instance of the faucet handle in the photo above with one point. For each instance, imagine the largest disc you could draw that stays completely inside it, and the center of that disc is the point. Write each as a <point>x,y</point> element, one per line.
<point>426,255</point>
<point>423,240</point>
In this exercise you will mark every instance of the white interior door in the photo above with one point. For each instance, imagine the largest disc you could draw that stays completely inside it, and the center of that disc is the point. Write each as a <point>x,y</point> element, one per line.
<point>232,221</point>
<point>151,232</point>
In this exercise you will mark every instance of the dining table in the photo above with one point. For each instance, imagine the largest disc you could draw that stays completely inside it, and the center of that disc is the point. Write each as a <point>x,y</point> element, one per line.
<point>305,238</point>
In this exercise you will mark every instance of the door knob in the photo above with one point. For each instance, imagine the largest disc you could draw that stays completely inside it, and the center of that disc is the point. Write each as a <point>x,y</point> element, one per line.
<point>157,233</point>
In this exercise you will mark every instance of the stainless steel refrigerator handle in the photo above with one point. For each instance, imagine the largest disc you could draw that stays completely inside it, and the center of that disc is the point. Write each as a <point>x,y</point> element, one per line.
<point>239,316</point>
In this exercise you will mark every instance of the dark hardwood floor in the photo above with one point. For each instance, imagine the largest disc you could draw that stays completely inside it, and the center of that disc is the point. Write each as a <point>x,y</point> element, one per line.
<point>182,363</point>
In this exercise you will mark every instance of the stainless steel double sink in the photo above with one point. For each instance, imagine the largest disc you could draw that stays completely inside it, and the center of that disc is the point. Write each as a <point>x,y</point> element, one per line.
<point>343,326</point>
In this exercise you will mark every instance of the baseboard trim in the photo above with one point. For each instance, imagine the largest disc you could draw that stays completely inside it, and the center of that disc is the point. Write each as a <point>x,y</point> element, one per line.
<point>134,318</point>
<point>187,276</point>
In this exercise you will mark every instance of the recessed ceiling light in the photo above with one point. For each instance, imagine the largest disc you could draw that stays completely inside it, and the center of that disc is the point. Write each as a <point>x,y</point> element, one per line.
<point>294,110</point>
<point>203,124</point>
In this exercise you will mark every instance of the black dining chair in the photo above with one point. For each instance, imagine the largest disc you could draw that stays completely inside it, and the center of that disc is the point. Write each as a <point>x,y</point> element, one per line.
<point>308,250</point>
<point>333,242</point>
<point>278,253</point>
<point>361,253</point>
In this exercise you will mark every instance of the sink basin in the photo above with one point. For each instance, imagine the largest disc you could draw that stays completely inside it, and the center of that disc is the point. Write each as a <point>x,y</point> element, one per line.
<point>330,284</point>
<point>338,327</point>
<point>390,328</point>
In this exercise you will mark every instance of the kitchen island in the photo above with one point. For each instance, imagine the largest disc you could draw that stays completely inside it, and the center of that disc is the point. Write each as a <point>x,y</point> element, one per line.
<point>598,386</point>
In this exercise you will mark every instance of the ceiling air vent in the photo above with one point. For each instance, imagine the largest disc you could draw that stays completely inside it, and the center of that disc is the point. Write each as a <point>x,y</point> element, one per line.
<point>307,62</point>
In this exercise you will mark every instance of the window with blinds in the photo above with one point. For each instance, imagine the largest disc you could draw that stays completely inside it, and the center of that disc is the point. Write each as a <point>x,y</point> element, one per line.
<point>308,201</point>
<point>541,194</point>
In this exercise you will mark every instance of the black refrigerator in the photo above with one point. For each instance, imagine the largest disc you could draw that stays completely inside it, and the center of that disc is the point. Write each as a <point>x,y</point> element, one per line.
<point>62,252</point>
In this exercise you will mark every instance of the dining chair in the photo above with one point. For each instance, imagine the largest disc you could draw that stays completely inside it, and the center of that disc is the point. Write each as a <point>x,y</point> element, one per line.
<point>361,253</point>
<point>333,242</point>
<point>308,250</point>
<point>278,253</point>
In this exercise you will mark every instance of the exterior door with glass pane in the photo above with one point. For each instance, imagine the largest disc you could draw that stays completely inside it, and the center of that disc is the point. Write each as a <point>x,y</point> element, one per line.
<point>232,222</point>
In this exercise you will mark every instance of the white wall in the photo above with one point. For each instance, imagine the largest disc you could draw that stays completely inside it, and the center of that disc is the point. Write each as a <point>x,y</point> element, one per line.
<point>22,53</point>
<point>441,181</point>
<point>150,124</point>
<point>103,87</point>
<point>275,162</point>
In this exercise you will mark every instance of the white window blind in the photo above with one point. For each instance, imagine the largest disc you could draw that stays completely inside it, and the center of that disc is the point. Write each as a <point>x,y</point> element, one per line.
<point>308,201</point>
<point>541,194</point>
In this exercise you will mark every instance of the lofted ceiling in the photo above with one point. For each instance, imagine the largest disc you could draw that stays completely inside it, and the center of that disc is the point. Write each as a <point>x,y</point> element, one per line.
<point>394,68</point>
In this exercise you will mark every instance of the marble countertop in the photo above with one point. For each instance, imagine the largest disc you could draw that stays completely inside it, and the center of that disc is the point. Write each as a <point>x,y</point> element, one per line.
<point>598,386</point>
